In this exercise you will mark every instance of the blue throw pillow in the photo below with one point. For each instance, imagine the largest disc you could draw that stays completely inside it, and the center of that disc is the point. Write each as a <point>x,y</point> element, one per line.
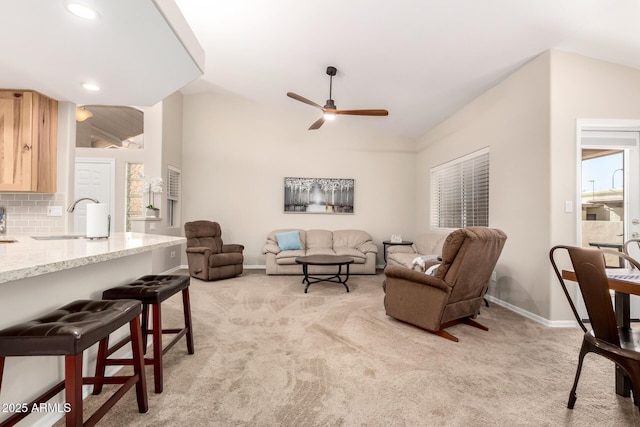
<point>289,241</point>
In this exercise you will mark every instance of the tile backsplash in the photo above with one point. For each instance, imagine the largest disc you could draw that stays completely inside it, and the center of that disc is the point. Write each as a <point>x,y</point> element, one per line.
<point>27,213</point>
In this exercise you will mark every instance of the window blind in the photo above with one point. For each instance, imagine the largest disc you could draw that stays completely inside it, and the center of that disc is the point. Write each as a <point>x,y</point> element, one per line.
<point>173,184</point>
<point>460,192</point>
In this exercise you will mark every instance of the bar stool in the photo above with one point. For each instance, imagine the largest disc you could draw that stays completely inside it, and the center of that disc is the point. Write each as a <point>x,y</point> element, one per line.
<point>150,290</point>
<point>68,331</point>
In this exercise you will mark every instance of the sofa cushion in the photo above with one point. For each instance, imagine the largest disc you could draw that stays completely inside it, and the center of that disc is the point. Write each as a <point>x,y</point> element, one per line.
<point>358,257</point>
<point>320,251</point>
<point>289,241</point>
<point>319,239</point>
<point>430,242</point>
<point>289,257</point>
<point>350,238</point>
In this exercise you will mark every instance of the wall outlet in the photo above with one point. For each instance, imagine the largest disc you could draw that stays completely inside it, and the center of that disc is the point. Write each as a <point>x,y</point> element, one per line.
<point>54,210</point>
<point>494,276</point>
<point>173,254</point>
<point>152,226</point>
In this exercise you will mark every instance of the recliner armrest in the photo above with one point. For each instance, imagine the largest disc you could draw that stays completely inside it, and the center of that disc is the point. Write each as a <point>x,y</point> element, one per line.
<point>395,271</point>
<point>198,249</point>
<point>232,248</point>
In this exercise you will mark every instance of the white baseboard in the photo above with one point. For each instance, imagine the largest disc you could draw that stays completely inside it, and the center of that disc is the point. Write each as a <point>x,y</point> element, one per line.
<point>174,269</point>
<point>534,317</point>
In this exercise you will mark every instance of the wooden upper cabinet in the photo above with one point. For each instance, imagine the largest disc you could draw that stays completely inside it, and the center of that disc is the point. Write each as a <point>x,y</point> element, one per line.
<point>28,133</point>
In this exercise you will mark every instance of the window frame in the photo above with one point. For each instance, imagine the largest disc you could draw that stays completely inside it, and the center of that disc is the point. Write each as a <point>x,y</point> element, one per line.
<point>174,190</point>
<point>462,185</point>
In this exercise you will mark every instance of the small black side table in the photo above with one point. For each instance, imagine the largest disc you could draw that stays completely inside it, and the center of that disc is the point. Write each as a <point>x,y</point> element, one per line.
<point>390,243</point>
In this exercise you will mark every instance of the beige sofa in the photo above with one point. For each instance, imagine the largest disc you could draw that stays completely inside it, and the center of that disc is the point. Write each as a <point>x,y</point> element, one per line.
<point>354,243</point>
<point>427,246</point>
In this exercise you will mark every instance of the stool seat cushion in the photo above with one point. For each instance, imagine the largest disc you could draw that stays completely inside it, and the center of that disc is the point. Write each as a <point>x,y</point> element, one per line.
<point>68,330</point>
<point>150,289</point>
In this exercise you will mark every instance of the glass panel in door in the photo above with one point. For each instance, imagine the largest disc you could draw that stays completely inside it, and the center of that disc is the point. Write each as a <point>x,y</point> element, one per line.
<point>610,193</point>
<point>603,210</point>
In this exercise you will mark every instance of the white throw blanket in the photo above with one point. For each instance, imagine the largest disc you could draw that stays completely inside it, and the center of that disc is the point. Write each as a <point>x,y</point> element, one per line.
<point>422,261</point>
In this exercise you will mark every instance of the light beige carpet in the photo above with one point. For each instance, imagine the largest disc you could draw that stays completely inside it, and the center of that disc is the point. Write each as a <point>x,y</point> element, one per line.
<point>269,355</point>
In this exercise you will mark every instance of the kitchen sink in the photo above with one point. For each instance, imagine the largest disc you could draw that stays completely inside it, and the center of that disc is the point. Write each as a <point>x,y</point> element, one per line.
<point>59,237</point>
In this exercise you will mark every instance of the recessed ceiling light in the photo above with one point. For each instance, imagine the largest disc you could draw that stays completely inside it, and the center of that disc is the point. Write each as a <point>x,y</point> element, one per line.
<point>91,86</point>
<point>82,10</point>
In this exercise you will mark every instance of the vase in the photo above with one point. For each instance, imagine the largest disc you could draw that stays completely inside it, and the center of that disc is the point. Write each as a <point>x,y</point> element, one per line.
<point>152,213</point>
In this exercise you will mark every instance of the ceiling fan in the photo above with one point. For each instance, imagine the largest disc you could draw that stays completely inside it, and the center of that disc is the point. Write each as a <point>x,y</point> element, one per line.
<point>330,110</point>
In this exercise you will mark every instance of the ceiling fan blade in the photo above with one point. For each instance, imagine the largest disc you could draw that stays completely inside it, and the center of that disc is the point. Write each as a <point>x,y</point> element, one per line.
<point>317,123</point>
<point>302,99</point>
<point>363,112</point>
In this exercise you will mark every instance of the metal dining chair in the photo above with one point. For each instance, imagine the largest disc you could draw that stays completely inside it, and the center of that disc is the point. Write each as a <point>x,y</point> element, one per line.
<point>621,345</point>
<point>628,244</point>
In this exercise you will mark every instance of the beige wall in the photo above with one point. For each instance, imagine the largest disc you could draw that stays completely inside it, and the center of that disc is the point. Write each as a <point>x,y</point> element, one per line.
<point>171,150</point>
<point>237,152</point>
<point>512,119</point>
<point>529,123</point>
<point>582,88</point>
<point>162,146</point>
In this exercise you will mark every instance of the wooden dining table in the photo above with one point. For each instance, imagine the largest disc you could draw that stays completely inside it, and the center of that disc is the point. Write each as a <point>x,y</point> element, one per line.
<point>624,282</point>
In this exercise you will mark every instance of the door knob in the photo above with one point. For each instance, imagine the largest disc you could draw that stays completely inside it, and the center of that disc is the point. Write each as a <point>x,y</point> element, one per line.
<point>635,221</point>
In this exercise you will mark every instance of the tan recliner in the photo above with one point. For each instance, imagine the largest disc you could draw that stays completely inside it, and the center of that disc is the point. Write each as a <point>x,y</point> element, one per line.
<point>454,293</point>
<point>207,256</point>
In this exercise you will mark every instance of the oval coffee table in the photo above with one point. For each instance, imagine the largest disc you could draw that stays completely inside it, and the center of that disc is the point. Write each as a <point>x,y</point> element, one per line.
<point>338,260</point>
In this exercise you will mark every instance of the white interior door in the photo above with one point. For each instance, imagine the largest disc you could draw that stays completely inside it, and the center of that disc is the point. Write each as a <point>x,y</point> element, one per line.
<point>610,191</point>
<point>94,178</point>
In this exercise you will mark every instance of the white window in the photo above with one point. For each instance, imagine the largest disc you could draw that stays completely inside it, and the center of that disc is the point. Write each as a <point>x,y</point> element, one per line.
<point>460,192</point>
<point>173,196</point>
<point>134,200</point>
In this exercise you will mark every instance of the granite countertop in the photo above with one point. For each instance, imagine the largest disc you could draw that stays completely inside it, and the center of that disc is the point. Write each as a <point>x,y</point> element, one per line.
<point>29,257</point>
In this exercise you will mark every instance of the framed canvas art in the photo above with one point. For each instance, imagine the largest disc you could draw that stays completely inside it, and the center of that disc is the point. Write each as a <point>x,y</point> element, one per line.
<point>318,195</point>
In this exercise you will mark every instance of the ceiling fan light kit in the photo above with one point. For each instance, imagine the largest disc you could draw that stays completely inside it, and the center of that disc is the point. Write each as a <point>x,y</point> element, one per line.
<point>330,110</point>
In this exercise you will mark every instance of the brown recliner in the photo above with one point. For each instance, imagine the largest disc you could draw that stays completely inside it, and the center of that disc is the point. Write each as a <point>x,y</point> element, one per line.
<point>207,256</point>
<point>454,293</point>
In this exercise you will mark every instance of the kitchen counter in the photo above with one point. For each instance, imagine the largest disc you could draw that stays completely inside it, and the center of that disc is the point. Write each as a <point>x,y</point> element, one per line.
<point>29,257</point>
<point>37,276</point>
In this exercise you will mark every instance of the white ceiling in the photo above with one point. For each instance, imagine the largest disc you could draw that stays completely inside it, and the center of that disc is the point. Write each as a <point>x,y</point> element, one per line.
<point>135,51</point>
<point>421,60</point>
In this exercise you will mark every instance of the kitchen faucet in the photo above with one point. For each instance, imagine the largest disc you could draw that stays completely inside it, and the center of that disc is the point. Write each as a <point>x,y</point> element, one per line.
<point>73,205</point>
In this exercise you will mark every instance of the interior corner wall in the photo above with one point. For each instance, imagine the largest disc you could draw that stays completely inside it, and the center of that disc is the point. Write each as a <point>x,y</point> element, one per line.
<point>237,153</point>
<point>581,88</point>
<point>171,125</point>
<point>512,119</point>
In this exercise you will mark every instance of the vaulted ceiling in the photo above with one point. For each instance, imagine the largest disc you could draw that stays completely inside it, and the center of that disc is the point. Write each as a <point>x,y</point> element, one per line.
<point>421,60</point>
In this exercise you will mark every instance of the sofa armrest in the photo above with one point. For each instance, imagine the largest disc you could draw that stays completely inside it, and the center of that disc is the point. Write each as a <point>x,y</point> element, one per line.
<point>271,248</point>
<point>394,249</point>
<point>417,277</point>
<point>232,248</point>
<point>368,247</point>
